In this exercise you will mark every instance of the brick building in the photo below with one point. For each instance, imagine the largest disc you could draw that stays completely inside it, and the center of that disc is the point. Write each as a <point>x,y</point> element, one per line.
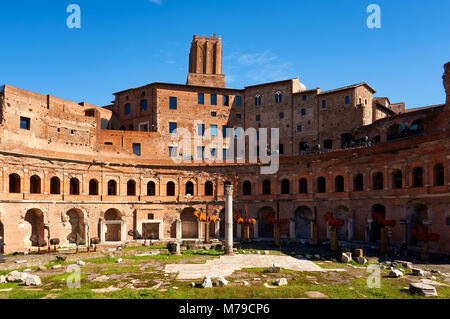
<point>74,168</point>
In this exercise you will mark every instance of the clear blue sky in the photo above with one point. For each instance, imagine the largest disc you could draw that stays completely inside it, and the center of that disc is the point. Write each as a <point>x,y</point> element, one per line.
<point>124,44</point>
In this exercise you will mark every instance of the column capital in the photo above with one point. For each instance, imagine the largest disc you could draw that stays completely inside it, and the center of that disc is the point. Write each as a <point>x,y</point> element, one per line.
<point>228,190</point>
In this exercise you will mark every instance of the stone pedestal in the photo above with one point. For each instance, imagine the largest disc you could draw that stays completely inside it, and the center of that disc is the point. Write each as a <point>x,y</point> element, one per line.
<point>246,233</point>
<point>424,252</point>
<point>384,240</point>
<point>315,234</point>
<point>333,239</point>
<point>229,220</point>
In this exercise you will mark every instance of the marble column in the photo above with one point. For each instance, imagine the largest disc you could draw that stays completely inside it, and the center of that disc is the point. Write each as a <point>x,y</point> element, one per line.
<point>229,220</point>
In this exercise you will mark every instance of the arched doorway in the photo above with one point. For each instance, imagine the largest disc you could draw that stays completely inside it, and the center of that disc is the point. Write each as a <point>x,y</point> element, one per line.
<point>265,228</point>
<point>416,213</point>
<point>113,231</point>
<point>341,213</point>
<point>76,220</point>
<point>189,224</point>
<point>302,218</point>
<point>375,229</point>
<point>35,218</point>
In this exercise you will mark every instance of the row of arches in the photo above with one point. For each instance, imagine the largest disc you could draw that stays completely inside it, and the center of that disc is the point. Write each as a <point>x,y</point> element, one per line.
<point>74,186</point>
<point>378,182</point>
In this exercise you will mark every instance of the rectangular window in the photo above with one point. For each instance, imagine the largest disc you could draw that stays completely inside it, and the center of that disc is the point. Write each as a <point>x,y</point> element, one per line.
<point>347,100</point>
<point>224,130</point>
<point>304,98</point>
<point>173,103</point>
<point>238,101</point>
<point>324,104</point>
<point>172,128</point>
<point>137,149</point>
<point>213,99</point>
<point>143,105</point>
<point>303,111</point>
<point>172,151</point>
<point>281,148</point>
<point>258,118</point>
<point>200,151</point>
<point>213,130</point>
<point>299,128</point>
<point>127,109</point>
<point>25,123</point>
<point>201,98</point>
<point>213,152</point>
<point>281,115</point>
<point>224,153</point>
<point>201,129</point>
<point>238,115</point>
<point>226,100</point>
<point>108,143</point>
<point>213,114</point>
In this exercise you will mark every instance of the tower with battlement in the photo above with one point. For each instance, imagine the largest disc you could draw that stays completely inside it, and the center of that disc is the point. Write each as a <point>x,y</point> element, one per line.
<point>205,62</point>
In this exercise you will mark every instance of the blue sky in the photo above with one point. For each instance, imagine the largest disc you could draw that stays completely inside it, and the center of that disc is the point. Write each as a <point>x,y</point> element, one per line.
<point>124,44</point>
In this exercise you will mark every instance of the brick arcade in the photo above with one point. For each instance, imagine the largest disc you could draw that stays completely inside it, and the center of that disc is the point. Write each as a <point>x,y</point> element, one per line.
<point>75,168</point>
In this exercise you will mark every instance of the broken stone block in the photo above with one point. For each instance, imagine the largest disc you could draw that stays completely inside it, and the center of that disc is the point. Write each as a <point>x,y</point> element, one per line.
<point>357,253</point>
<point>317,256</point>
<point>118,261</point>
<point>33,280</point>
<point>274,269</point>
<point>266,252</point>
<point>422,289</point>
<point>346,257</point>
<point>361,260</point>
<point>395,273</point>
<point>418,272</point>
<point>207,283</point>
<point>315,294</point>
<point>56,266</point>
<point>16,276</point>
<point>42,268</point>
<point>281,282</point>
<point>81,263</point>
<point>2,279</point>
<point>246,283</point>
<point>221,282</point>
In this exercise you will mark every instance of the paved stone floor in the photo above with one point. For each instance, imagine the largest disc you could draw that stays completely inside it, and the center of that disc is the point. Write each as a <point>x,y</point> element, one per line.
<point>226,265</point>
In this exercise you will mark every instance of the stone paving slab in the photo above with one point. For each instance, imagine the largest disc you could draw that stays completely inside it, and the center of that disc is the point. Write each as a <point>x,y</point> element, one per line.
<point>226,265</point>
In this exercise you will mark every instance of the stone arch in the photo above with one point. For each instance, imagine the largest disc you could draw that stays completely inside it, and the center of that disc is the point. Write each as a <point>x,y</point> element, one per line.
<point>302,218</point>
<point>189,223</point>
<point>55,185</point>
<point>265,229</point>
<point>112,187</point>
<point>93,187</point>
<point>36,233</point>
<point>14,183</point>
<point>77,223</point>
<point>416,214</point>
<point>35,184</point>
<point>131,188</point>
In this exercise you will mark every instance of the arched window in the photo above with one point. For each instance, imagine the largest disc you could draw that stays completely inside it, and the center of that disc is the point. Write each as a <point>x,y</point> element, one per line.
<point>266,187</point>
<point>151,187</point>
<point>285,186</point>
<point>74,186</point>
<point>257,100</point>
<point>247,188</point>
<point>397,179</point>
<point>14,183</point>
<point>321,185</point>
<point>378,181</point>
<point>35,184</point>
<point>209,188</point>
<point>55,186</point>
<point>170,189</point>
<point>93,187</point>
<point>393,132</point>
<point>190,188</point>
<point>278,97</point>
<point>438,175</point>
<point>112,188</point>
<point>303,186</point>
<point>358,182</point>
<point>417,177</point>
<point>339,184</point>
<point>131,188</point>
<point>143,105</point>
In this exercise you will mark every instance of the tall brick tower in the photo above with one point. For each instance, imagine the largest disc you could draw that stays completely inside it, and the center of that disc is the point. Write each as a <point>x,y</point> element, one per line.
<point>205,62</point>
<point>446,78</point>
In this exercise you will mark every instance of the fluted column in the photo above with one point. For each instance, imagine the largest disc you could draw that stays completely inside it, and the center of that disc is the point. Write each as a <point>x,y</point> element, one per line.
<point>229,219</point>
